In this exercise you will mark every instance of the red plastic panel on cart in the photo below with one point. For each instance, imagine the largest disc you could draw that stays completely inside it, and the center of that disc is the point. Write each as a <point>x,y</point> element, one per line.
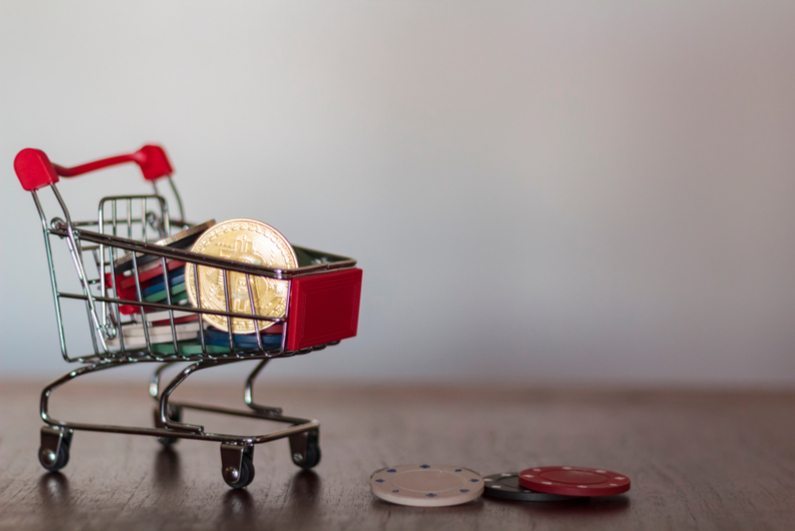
<point>323,308</point>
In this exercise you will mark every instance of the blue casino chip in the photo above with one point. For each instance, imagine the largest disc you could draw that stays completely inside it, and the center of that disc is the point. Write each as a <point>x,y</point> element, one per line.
<point>221,339</point>
<point>174,278</point>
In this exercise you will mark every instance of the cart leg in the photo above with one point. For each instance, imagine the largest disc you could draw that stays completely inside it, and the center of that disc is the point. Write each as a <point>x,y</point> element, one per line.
<point>154,381</point>
<point>174,415</point>
<point>237,464</point>
<point>305,448</point>
<point>54,450</point>
<point>248,393</point>
<point>174,412</point>
<point>163,418</point>
<point>44,403</point>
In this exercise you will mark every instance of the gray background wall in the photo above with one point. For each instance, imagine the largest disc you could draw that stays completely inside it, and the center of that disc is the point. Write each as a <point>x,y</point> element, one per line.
<point>544,191</point>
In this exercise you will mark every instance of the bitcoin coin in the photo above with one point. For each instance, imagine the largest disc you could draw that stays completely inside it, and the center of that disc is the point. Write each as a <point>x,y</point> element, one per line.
<point>251,242</point>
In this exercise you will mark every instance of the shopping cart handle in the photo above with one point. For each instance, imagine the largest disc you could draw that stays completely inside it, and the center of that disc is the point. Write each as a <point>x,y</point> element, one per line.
<point>34,169</point>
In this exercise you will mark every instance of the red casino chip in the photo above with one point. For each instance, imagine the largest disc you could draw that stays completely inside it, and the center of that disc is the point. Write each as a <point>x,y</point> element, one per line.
<point>574,481</point>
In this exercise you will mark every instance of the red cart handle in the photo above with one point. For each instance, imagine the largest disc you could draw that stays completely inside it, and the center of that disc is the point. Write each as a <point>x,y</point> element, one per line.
<point>34,169</point>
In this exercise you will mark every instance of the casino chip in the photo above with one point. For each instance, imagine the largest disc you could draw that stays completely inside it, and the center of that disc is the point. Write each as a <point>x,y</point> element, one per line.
<point>136,329</point>
<point>507,487</point>
<point>573,481</point>
<point>161,317</point>
<point>188,348</point>
<point>151,271</point>
<point>178,294</point>
<point>173,281</point>
<point>426,485</point>
<point>134,335</point>
<point>221,339</point>
<point>180,240</point>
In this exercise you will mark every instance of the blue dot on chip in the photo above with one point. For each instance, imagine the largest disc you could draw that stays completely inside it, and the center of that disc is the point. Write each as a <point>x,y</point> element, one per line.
<point>464,490</point>
<point>473,480</point>
<point>391,470</point>
<point>431,495</point>
<point>425,466</point>
<point>396,490</point>
<point>458,469</point>
<point>379,480</point>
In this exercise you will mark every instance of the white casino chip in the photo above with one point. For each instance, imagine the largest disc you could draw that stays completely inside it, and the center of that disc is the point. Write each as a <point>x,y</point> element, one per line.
<point>134,334</point>
<point>426,485</point>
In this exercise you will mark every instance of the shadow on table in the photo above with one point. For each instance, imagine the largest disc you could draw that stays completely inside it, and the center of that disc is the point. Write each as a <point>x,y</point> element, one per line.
<point>168,471</point>
<point>239,510</point>
<point>54,489</point>
<point>303,491</point>
<point>56,502</point>
<point>571,508</point>
<point>472,507</point>
<point>568,508</point>
<point>237,507</point>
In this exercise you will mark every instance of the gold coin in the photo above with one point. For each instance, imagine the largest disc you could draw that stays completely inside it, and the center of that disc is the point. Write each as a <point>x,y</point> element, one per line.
<point>251,242</point>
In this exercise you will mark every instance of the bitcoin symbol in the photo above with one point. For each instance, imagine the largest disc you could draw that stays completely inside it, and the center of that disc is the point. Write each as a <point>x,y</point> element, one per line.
<point>240,251</point>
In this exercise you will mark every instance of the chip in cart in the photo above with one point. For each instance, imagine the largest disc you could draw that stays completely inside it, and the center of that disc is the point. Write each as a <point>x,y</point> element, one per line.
<point>134,336</point>
<point>161,317</point>
<point>155,286</point>
<point>146,273</point>
<point>221,339</point>
<point>180,240</point>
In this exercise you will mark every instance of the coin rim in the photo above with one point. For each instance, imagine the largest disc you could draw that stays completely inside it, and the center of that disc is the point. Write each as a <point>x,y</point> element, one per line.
<point>190,278</point>
<point>169,240</point>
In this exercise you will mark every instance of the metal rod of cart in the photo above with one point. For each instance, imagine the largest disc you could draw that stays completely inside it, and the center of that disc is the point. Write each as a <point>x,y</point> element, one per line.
<point>322,308</point>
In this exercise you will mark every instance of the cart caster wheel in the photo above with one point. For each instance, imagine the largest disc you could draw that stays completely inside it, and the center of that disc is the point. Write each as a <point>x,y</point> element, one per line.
<point>54,461</point>
<point>238,479</point>
<point>312,457</point>
<point>174,415</point>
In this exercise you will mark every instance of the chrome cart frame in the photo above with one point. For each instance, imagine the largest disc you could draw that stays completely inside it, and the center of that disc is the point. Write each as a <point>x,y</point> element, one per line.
<point>104,305</point>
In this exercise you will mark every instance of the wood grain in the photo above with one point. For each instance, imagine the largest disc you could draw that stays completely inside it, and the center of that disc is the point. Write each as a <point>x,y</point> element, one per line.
<point>697,460</point>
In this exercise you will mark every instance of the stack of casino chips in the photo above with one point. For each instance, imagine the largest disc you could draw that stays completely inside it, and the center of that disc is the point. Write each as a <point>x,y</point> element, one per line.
<point>153,289</point>
<point>429,485</point>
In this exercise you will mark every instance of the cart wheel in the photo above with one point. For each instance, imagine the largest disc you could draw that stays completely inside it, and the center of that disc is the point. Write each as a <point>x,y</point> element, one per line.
<point>312,457</point>
<point>174,415</point>
<point>246,475</point>
<point>51,462</point>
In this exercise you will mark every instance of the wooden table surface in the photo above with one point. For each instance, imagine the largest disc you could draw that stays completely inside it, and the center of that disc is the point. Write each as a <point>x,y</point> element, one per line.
<point>697,460</point>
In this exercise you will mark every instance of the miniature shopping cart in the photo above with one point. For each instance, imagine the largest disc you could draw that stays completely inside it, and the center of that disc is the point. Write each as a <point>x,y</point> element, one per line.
<point>322,308</point>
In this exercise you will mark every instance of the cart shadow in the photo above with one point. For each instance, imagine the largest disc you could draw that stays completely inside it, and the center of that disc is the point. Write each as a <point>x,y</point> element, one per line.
<point>56,502</point>
<point>469,508</point>
<point>168,470</point>
<point>237,508</point>
<point>604,506</point>
<point>303,492</point>
<point>239,511</point>
<point>54,489</point>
